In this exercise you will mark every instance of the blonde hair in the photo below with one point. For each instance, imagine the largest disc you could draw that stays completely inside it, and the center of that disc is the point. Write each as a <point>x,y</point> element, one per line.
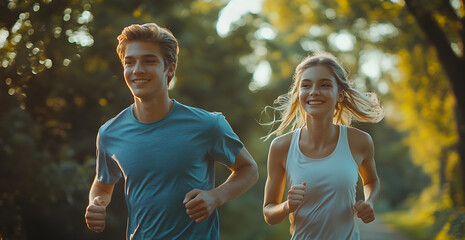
<point>150,32</point>
<point>363,107</point>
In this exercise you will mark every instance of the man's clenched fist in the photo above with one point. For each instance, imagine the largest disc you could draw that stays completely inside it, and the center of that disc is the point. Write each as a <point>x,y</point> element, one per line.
<point>96,214</point>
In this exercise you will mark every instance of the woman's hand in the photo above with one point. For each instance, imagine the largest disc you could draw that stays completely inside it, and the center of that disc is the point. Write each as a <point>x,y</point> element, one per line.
<point>295,197</point>
<point>365,211</point>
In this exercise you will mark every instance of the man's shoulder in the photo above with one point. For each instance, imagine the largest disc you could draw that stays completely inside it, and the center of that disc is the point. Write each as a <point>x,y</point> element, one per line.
<point>212,124</point>
<point>199,113</point>
<point>114,121</point>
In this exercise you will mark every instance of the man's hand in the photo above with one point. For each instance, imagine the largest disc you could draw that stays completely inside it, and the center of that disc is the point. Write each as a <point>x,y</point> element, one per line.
<point>96,214</point>
<point>364,211</point>
<point>199,204</point>
<point>295,196</point>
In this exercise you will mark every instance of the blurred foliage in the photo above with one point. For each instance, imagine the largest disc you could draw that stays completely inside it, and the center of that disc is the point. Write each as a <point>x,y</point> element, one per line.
<point>60,79</point>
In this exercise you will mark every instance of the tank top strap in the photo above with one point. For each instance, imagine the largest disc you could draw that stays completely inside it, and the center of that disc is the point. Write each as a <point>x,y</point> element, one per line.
<point>343,142</point>
<point>343,136</point>
<point>345,147</point>
<point>295,140</point>
<point>293,153</point>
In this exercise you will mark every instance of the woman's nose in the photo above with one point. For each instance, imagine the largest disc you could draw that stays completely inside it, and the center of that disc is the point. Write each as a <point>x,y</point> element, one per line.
<point>314,91</point>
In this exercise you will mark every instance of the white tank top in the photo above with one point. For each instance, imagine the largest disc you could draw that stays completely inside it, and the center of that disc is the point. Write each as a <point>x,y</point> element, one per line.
<point>326,211</point>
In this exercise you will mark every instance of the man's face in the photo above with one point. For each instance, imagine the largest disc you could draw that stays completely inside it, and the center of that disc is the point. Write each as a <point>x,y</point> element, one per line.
<point>144,70</point>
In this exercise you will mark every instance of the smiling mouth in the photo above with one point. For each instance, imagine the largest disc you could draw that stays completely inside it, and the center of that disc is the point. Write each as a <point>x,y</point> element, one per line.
<point>140,81</point>
<point>314,102</point>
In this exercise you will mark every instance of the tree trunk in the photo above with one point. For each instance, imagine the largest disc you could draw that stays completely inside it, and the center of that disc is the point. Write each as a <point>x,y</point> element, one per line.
<point>453,65</point>
<point>461,147</point>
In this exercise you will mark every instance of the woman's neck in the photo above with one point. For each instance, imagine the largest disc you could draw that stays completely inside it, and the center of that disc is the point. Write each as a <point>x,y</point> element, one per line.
<point>319,132</point>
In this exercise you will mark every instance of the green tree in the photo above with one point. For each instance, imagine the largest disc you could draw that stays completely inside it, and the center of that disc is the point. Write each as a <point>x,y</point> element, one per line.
<point>442,22</point>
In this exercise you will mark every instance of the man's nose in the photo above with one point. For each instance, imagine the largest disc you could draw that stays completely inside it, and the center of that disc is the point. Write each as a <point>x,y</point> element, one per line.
<point>139,67</point>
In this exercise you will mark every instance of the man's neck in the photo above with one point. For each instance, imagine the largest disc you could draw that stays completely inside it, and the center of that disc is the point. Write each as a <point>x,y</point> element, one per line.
<point>151,111</point>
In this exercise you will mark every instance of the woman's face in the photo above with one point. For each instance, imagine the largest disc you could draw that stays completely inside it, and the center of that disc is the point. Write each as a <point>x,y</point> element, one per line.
<point>318,91</point>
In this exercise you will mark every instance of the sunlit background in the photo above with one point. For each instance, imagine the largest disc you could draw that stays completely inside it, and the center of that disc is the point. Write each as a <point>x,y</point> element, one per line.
<point>60,80</point>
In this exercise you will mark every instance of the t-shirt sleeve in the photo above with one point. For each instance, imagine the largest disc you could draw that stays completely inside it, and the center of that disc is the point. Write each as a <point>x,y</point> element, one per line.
<point>107,169</point>
<point>225,143</point>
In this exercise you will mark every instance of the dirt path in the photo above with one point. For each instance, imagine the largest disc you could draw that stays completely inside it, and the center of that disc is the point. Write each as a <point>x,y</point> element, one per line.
<point>378,230</point>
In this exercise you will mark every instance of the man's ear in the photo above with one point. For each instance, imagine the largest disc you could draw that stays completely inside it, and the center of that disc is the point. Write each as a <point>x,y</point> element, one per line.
<point>170,72</point>
<point>171,69</point>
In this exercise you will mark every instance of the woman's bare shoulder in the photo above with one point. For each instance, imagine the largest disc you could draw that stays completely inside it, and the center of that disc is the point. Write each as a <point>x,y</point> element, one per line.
<point>359,137</point>
<point>282,142</point>
<point>361,144</point>
<point>279,149</point>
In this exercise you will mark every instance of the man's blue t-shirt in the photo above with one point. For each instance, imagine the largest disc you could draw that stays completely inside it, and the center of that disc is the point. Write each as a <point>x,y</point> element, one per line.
<point>162,161</point>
